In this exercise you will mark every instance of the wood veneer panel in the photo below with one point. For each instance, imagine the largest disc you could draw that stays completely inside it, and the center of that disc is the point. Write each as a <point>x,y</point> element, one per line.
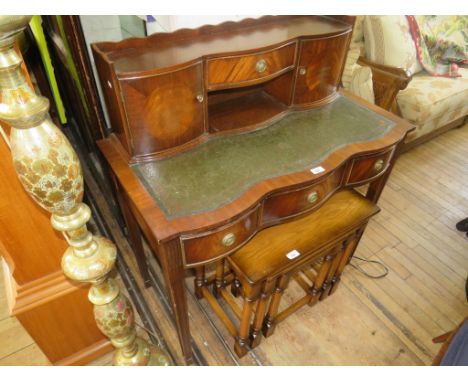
<point>237,70</point>
<point>199,249</point>
<point>322,60</point>
<point>295,202</point>
<point>163,111</point>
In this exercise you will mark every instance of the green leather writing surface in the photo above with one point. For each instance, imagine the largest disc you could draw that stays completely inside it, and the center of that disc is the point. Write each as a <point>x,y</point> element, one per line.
<point>220,170</point>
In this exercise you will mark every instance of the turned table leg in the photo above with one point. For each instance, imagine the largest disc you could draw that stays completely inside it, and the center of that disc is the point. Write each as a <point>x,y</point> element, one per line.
<point>269,324</point>
<point>235,287</point>
<point>242,340</point>
<point>316,288</point>
<point>200,281</point>
<point>256,335</point>
<point>344,259</point>
<point>219,278</point>
<point>331,272</point>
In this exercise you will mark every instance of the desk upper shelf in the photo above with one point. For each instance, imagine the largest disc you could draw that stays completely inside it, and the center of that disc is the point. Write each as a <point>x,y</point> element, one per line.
<point>169,91</point>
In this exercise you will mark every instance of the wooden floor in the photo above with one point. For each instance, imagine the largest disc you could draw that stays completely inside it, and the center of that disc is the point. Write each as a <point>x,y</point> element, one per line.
<point>388,321</point>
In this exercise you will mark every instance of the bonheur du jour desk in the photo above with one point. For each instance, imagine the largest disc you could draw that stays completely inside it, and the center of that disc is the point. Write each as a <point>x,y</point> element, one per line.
<point>224,130</point>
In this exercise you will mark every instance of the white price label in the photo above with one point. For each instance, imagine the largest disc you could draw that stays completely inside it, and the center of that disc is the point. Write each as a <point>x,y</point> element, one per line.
<point>317,170</point>
<point>293,254</point>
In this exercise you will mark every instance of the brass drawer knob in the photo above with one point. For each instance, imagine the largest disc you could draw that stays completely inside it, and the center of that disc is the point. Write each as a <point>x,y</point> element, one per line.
<point>260,66</point>
<point>302,71</point>
<point>312,197</point>
<point>379,165</point>
<point>229,239</point>
<point>200,98</point>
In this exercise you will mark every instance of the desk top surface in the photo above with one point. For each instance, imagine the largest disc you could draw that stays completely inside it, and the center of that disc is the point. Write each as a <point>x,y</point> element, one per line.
<point>219,171</point>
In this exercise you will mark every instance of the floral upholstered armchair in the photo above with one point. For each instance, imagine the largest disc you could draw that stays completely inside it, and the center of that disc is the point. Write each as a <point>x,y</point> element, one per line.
<point>385,66</point>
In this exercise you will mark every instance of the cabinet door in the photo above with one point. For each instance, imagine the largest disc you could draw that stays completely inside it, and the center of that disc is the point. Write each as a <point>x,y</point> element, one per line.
<point>164,110</point>
<point>319,70</point>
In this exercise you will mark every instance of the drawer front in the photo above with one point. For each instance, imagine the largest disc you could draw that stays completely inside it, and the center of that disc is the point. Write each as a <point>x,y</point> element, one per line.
<point>248,69</point>
<point>207,247</point>
<point>292,203</point>
<point>367,168</point>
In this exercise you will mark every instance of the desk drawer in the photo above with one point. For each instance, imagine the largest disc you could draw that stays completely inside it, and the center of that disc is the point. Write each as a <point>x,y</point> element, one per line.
<point>366,168</point>
<point>295,202</point>
<point>212,245</point>
<point>249,69</point>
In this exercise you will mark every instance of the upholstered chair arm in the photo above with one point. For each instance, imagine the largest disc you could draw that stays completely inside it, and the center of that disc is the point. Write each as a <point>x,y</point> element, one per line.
<point>387,82</point>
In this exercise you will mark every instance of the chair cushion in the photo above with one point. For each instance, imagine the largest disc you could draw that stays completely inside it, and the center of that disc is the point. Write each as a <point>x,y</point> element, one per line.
<point>361,84</point>
<point>388,41</point>
<point>358,32</point>
<point>356,49</point>
<point>432,102</point>
<point>350,66</point>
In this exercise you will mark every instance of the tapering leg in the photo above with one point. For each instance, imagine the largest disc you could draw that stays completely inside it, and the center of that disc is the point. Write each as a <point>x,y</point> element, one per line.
<point>269,324</point>
<point>174,276</point>
<point>376,187</point>
<point>134,234</point>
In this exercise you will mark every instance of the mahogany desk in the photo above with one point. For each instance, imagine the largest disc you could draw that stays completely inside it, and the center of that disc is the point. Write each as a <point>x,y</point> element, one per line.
<point>204,204</point>
<point>209,148</point>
